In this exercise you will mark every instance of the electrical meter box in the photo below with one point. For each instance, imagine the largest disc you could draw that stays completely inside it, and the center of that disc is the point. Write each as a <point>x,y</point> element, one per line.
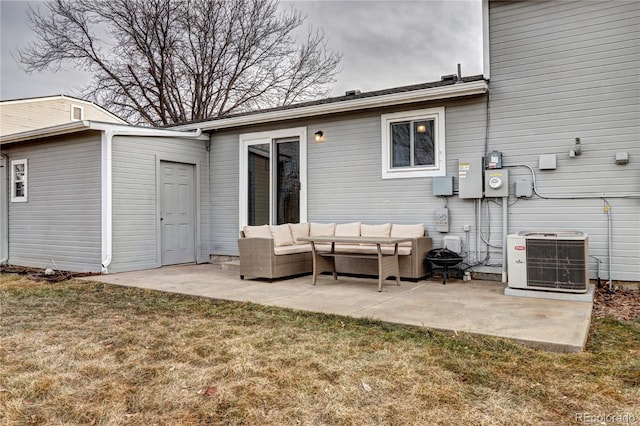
<point>442,219</point>
<point>496,183</point>
<point>470,177</point>
<point>493,160</point>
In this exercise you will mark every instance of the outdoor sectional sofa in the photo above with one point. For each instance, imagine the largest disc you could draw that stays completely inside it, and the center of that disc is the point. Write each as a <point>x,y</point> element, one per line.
<point>275,251</point>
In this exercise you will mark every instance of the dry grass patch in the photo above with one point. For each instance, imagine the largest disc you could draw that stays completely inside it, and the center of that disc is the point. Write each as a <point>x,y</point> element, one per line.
<point>91,353</point>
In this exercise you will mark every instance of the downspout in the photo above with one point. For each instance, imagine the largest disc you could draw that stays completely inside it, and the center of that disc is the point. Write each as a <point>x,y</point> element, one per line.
<point>4,210</point>
<point>106,199</point>
<point>607,210</point>
<point>107,183</point>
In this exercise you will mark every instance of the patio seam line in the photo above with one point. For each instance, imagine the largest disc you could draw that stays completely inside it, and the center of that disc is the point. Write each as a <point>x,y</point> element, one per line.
<point>387,299</point>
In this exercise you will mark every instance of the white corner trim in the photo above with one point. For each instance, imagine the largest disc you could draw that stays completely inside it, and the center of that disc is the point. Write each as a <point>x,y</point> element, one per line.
<point>486,53</point>
<point>4,209</point>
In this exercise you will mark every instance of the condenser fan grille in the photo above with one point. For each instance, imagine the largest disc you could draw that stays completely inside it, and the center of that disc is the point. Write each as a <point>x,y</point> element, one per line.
<point>553,263</point>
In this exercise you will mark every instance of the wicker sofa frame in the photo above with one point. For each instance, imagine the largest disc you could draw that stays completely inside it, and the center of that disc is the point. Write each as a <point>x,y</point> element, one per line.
<point>258,260</point>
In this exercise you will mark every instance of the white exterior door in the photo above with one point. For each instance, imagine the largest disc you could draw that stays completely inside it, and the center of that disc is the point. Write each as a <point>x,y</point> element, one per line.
<point>177,213</point>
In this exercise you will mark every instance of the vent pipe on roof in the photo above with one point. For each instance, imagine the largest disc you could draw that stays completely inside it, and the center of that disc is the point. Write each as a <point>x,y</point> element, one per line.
<point>453,77</point>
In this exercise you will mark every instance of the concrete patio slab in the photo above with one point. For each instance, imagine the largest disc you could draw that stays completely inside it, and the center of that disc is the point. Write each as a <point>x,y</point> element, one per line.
<point>479,307</point>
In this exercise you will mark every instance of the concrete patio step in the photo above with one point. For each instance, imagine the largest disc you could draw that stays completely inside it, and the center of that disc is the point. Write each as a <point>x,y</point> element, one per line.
<point>230,266</point>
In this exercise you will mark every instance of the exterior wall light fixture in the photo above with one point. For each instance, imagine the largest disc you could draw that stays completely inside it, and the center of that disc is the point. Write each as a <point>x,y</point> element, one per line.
<point>576,150</point>
<point>319,136</point>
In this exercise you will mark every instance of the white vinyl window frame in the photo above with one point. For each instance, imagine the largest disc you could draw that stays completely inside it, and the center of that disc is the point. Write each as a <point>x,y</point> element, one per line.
<point>19,178</point>
<point>439,166</point>
<point>75,108</point>
<point>257,138</point>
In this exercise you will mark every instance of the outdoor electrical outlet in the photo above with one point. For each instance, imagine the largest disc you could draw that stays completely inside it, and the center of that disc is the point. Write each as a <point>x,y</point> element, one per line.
<point>467,228</point>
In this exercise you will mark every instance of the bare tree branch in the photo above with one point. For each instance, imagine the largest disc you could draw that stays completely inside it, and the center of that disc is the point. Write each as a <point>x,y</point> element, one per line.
<point>162,62</point>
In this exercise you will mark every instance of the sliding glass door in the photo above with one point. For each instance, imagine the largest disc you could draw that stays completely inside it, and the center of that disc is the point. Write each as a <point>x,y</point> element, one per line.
<point>259,194</point>
<point>273,178</point>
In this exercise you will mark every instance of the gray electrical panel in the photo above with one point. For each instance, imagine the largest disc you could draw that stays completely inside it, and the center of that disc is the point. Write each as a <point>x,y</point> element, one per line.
<point>524,189</point>
<point>443,185</point>
<point>470,177</point>
<point>496,183</point>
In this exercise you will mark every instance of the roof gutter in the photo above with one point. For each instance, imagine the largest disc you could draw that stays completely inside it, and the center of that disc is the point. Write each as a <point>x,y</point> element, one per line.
<point>412,96</point>
<point>108,132</point>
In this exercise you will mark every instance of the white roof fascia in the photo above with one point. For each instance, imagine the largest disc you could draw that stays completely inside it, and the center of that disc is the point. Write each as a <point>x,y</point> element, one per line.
<point>128,130</point>
<point>79,126</point>
<point>422,95</point>
<point>60,129</point>
<point>39,99</point>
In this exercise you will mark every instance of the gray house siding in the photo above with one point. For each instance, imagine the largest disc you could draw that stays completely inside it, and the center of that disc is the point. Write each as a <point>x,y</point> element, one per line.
<point>225,187</point>
<point>345,171</point>
<point>561,70</point>
<point>59,225</point>
<point>136,221</point>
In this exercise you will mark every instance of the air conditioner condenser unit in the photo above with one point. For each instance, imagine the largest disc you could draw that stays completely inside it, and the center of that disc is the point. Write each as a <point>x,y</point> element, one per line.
<point>551,261</point>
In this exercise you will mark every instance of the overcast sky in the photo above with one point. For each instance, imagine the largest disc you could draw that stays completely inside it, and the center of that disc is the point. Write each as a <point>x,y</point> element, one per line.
<point>385,44</point>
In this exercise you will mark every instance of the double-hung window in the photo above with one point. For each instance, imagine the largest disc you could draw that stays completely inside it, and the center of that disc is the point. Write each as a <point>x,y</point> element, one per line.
<point>19,181</point>
<point>413,144</point>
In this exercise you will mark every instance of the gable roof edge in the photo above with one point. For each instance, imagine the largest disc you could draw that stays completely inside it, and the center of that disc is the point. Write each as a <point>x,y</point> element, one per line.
<point>71,99</point>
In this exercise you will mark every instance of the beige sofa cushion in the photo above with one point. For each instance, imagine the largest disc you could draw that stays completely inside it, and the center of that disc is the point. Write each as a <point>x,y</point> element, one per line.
<point>375,230</point>
<point>294,249</point>
<point>410,231</point>
<point>299,230</point>
<point>262,231</point>
<point>322,229</point>
<point>373,249</point>
<point>348,229</point>
<point>281,235</point>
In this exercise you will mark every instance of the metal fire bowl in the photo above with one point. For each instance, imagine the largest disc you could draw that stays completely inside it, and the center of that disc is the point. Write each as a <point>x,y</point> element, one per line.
<point>442,261</point>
